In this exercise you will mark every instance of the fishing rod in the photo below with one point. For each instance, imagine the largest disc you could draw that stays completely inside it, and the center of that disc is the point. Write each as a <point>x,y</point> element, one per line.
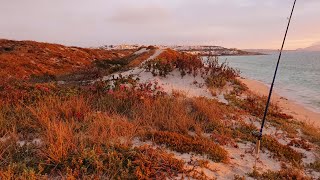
<point>259,133</point>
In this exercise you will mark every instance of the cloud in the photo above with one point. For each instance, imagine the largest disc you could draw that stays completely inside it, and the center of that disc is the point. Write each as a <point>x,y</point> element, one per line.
<point>232,23</point>
<point>316,44</point>
<point>140,15</point>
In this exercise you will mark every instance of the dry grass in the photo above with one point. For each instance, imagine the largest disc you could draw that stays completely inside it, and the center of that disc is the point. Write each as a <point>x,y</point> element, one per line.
<point>256,105</point>
<point>187,144</point>
<point>283,174</point>
<point>164,114</point>
<point>77,142</point>
<point>310,132</point>
<point>85,131</point>
<point>212,115</point>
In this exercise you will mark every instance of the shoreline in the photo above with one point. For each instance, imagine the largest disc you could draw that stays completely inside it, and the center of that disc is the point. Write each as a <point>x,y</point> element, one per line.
<point>290,107</point>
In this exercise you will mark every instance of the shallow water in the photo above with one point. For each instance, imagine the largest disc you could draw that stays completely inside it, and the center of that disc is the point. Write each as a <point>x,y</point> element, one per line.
<point>298,77</point>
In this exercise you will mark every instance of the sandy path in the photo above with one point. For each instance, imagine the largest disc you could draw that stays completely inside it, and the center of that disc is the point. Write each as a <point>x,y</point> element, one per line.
<point>290,107</point>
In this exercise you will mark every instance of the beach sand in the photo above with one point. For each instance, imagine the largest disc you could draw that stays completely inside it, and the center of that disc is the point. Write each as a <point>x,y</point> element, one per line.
<point>290,107</point>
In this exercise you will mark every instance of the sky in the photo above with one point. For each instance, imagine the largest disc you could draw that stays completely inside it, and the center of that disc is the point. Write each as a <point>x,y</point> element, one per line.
<point>244,24</point>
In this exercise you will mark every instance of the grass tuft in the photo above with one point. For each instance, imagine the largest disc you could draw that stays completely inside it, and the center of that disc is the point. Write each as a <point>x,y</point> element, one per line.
<point>186,144</point>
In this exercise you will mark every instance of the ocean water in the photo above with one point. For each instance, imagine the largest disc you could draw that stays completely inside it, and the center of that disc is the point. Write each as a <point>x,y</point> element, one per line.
<point>298,77</point>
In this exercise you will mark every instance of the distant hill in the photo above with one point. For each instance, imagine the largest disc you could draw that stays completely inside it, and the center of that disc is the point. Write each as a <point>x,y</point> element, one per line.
<point>214,51</point>
<point>21,59</point>
<point>195,49</point>
<point>315,47</point>
<point>264,51</point>
<point>268,51</point>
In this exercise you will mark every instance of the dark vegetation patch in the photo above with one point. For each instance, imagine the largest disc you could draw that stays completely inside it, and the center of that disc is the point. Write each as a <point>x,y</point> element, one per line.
<point>45,78</point>
<point>6,49</point>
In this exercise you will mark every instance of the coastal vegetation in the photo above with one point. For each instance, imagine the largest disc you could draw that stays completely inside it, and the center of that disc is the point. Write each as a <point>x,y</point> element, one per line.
<point>122,128</point>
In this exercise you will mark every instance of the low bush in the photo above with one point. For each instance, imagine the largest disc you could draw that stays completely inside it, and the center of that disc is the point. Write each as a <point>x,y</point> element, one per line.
<point>169,60</point>
<point>218,74</point>
<point>159,67</point>
<point>122,95</point>
<point>283,174</point>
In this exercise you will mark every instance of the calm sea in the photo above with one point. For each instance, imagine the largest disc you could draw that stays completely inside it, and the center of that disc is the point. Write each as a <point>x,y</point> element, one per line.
<point>298,77</point>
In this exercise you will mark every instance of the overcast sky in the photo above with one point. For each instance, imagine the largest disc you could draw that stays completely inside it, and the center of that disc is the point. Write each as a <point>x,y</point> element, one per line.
<point>230,23</point>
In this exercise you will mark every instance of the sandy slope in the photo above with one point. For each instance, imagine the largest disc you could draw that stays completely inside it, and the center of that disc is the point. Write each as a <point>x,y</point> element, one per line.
<point>242,157</point>
<point>298,111</point>
<point>189,85</point>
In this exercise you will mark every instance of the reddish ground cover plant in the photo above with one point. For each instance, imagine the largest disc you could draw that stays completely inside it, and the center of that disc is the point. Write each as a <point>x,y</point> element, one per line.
<point>21,59</point>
